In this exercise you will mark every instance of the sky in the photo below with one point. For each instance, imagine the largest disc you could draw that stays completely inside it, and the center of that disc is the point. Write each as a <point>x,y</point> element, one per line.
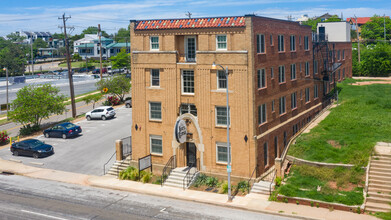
<point>42,15</point>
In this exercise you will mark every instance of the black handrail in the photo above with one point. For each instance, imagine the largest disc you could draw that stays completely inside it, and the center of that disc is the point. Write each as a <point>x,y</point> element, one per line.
<point>170,165</point>
<point>249,185</point>
<point>188,177</point>
<point>104,165</point>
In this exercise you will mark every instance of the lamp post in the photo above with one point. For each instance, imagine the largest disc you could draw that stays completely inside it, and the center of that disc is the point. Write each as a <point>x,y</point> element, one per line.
<point>6,79</point>
<point>214,66</point>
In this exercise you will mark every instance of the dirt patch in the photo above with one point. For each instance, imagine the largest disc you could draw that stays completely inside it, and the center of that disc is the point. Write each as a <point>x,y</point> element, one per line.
<point>347,188</point>
<point>334,143</point>
<point>370,83</point>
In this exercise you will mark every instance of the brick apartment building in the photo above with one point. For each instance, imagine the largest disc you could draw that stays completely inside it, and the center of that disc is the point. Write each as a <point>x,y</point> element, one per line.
<point>274,89</point>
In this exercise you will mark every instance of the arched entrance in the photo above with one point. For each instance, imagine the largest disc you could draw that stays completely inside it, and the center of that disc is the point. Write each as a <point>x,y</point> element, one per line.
<point>191,147</point>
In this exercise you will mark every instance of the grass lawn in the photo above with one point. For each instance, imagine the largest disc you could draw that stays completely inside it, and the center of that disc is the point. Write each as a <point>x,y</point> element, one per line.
<point>383,215</point>
<point>349,133</point>
<point>339,185</point>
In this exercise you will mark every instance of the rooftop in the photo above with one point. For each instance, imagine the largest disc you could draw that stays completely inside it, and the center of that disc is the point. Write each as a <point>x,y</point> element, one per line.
<point>360,20</point>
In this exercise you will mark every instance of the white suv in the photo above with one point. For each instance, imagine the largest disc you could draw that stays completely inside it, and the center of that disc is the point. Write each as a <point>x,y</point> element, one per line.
<point>103,113</point>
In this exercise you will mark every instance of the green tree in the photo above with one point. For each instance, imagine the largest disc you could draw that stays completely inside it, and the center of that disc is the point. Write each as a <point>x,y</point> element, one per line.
<point>121,60</point>
<point>314,22</point>
<point>39,43</point>
<point>376,60</point>
<point>92,98</point>
<point>58,36</point>
<point>374,29</point>
<point>123,35</point>
<point>118,86</point>
<point>93,30</point>
<point>36,102</point>
<point>12,56</point>
<point>76,57</point>
<point>14,37</point>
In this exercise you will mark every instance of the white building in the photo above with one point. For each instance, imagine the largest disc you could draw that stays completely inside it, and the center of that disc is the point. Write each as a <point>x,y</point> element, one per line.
<point>335,31</point>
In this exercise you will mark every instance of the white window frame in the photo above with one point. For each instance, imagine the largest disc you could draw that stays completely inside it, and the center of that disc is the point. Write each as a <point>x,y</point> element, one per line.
<point>154,43</point>
<point>307,68</point>
<point>152,78</point>
<point>261,46</point>
<point>155,137</point>
<point>281,46</point>
<point>223,145</point>
<point>261,73</point>
<point>229,116</point>
<point>221,79</point>
<point>217,42</point>
<point>281,74</point>
<point>282,106</point>
<point>293,72</point>
<point>262,114</point>
<point>293,43</point>
<point>182,83</point>
<point>150,112</point>
<point>294,100</point>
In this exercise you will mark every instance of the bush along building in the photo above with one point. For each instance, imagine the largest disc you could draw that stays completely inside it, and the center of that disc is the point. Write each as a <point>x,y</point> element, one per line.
<point>279,79</point>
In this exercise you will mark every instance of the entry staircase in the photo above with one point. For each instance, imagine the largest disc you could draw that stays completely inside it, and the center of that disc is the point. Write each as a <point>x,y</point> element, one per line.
<point>118,166</point>
<point>379,188</point>
<point>177,175</point>
<point>262,187</point>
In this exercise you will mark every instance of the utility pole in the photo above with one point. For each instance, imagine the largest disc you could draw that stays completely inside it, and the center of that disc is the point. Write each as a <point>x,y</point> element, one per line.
<point>6,79</point>
<point>32,57</point>
<point>100,50</point>
<point>85,51</point>
<point>64,19</point>
<point>358,40</point>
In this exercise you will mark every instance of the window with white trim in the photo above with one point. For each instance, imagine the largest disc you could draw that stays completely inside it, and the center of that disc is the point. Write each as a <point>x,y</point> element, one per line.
<point>293,100</point>
<point>307,68</point>
<point>281,43</point>
<point>187,81</point>
<point>293,71</point>
<point>156,144</point>
<point>221,80</point>
<point>307,94</point>
<point>293,43</point>
<point>261,78</point>
<point>221,116</point>
<point>154,42</point>
<point>221,152</point>
<point>315,91</point>
<point>282,105</point>
<point>155,77</point>
<point>281,74</point>
<point>265,154</point>
<point>155,111</point>
<point>306,43</point>
<point>262,114</point>
<point>221,42</point>
<point>260,43</point>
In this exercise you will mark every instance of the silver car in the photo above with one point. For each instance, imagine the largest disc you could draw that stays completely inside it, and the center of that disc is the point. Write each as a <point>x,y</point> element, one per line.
<point>103,113</point>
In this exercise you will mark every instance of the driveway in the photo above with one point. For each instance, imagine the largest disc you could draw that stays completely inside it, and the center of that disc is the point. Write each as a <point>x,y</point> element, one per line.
<point>86,153</point>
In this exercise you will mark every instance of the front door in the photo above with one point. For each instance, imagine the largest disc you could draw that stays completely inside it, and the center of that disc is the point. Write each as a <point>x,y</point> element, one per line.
<point>191,153</point>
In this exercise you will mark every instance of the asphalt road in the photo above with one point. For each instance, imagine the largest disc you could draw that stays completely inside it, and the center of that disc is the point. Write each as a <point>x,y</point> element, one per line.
<point>86,153</point>
<point>25,198</point>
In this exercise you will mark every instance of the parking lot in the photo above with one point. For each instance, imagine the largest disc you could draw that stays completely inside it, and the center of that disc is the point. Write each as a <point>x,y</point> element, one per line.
<point>85,153</point>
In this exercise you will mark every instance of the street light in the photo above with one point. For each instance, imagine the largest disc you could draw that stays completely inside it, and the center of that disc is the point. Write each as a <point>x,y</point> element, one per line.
<point>6,79</point>
<point>214,66</point>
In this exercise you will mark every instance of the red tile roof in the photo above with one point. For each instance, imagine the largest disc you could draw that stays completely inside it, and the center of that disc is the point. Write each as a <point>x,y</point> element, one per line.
<point>190,23</point>
<point>360,20</point>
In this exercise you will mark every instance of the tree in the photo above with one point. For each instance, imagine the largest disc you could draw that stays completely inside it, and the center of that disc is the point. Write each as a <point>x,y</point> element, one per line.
<point>58,36</point>
<point>121,60</point>
<point>93,30</point>
<point>374,29</point>
<point>39,43</point>
<point>76,57</point>
<point>117,85</point>
<point>14,37</point>
<point>92,98</point>
<point>376,60</point>
<point>123,35</point>
<point>36,102</point>
<point>12,57</point>
<point>314,22</point>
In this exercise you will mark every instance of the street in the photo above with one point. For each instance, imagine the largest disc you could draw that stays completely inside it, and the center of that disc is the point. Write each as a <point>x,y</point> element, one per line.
<point>86,153</point>
<point>25,198</point>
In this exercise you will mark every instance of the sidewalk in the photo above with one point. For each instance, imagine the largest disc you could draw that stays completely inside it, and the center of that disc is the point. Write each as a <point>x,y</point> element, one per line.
<point>252,202</point>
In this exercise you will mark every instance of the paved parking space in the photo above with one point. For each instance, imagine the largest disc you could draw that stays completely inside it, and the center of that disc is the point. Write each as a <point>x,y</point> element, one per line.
<point>86,153</point>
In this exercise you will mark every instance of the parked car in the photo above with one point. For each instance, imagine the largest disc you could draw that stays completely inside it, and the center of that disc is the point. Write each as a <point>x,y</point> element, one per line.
<point>31,147</point>
<point>103,113</point>
<point>97,71</point>
<point>64,130</point>
<point>128,103</point>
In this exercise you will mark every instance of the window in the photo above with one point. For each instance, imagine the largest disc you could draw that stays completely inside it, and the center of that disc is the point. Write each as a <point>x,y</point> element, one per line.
<point>315,67</point>
<point>343,54</point>
<point>293,43</point>
<point>339,55</point>
<point>293,71</point>
<point>281,43</point>
<point>281,74</point>
<point>188,81</point>
<point>275,146</point>
<point>295,129</point>
<point>271,40</point>
<point>272,105</point>
<point>188,108</point>
<point>221,116</point>
<point>271,72</point>
<point>222,153</point>
<point>339,74</point>
<point>155,77</point>
<point>265,155</point>
<point>260,43</point>
<point>154,43</point>
<point>293,100</point>
<point>306,45</point>
<point>156,144</point>
<point>307,94</point>
<point>221,41</point>
<point>285,139</point>
<point>282,105</point>
<point>221,80</point>
<point>300,40</point>
<point>315,91</point>
<point>262,114</point>
<point>155,111</point>
<point>261,78</point>
<point>343,73</point>
<point>307,68</point>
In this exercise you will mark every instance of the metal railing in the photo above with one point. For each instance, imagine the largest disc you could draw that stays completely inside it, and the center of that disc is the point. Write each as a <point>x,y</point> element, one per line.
<point>190,174</point>
<point>170,165</point>
<point>126,146</point>
<point>104,165</point>
<point>272,180</point>
<point>252,180</point>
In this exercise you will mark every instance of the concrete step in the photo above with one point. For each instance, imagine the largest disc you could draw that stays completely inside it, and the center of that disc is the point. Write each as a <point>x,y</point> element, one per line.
<point>379,177</point>
<point>380,186</point>
<point>376,207</point>
<point>173,184</point>
<point>381,161</point>
<point>381,195</point>
<point>380,169</point>
<point>262,187</point>
<point>378,199</point>
<point>381,166</point>
<point>379,189</point>
<point>380,173</point>
<point>382,155</point>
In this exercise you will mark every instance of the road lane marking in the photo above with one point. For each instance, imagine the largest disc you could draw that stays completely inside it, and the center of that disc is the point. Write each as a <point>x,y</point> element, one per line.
<point>37,163</point>
<point>40,214</point>
<point>14,160</point>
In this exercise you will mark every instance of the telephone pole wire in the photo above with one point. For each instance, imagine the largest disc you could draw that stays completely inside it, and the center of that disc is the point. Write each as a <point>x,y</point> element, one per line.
<point>64,19</point>
<point>100,50</point>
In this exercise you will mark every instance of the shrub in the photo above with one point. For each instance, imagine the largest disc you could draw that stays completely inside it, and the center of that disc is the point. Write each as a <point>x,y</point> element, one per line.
<point>224,188</point>
<point>158,181</point>
<point>113,100</point>
<point>145,176</point>
<point>28,129</point>
<point>201,180</point>
<point>211,181</point>
<point>3,137</point>
<point>243,186</point>
<point>130,173</point>
<point>106,103</point>
<point>278,181</point>
<point>312,204</point>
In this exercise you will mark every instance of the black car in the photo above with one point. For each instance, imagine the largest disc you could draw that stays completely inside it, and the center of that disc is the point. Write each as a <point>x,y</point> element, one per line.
<point>63,130</point>
<point>31,147</point>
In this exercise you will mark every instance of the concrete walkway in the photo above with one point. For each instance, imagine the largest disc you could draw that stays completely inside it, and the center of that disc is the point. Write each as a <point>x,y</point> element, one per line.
<point>252,202</point>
